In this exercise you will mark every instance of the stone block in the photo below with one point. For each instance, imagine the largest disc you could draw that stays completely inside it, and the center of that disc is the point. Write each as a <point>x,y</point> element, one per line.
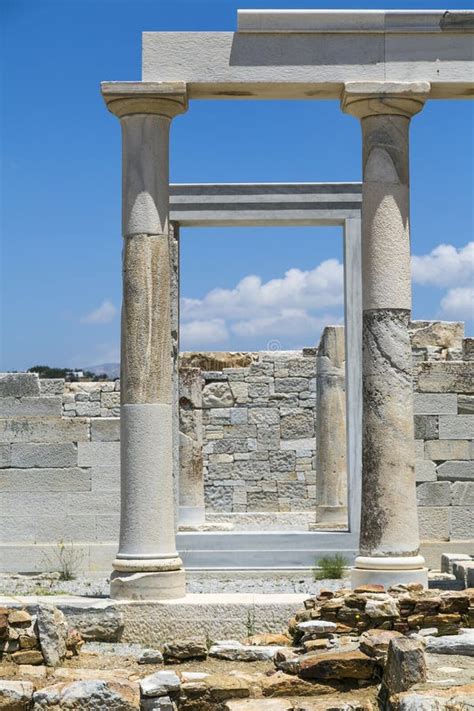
<point>291,385</point>
<point>240,431</point>
<point>282,461</point>
<point>32,503</point>
<point>456,426</point>
<point>217,395</point>
<point>419,449</point>
<point>468,349</point>
<point>299,445</point>
<point>93,502</point>
<point>466,404</point>
<point>434,493</point>
<point>110,400</point>
<point>31,406</point>
<point>263,416</point>
<point>439,334</point>
<point>67,479</point>
<point>219,498</point>
<point>292,490</point>
<point>463,493</point>
<point>462,522</point>
<point>302,367</point>
<point>107,527</point>
<point>446,377</point>
<point>268,437</point>
<point>240,392</point>
<point>443,449</point>
<point>98,453</point>
<point>426,427</point>
<point>456,471</point>
<point>435,403</point>
<point>28,456</point>
<point>19,384</point>
<point>425,470</point>
<point>405,666</point>
<point>52,386</point>
<point>88,409</point>
<point>105,429</point>
<point>258,391</point>
<point>5,455</point>
<point>48,529</point>
<point>262,501</point>
<point>44,429</point>
<point>447,560</point>
<point>239,416</point>
<point>298,425</point>
<point>434,522</point>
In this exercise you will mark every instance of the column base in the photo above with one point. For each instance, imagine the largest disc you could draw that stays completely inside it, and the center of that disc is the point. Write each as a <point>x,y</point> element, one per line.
<point>191,515</point>
<point>163,585</point>
<point>336,515</point>
<point>389,571</point>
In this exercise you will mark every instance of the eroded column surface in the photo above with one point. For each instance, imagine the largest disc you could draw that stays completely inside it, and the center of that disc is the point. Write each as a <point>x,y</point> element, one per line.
<point>331,467</point>
<point>147,565</point>
<point>389,540</point>
<point>191,479</point>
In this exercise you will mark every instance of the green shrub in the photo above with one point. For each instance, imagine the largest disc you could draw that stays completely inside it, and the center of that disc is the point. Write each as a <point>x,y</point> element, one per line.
<point>330,567</point>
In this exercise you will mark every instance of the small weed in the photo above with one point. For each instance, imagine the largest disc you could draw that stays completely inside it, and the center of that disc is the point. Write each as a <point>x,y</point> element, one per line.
<point>250,623</point>
<point>66,559</point>
<point>330,567</point>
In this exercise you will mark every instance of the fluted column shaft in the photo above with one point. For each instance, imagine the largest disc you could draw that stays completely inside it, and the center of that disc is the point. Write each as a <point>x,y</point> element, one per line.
<point>389,541</point>
<point>147,565</point>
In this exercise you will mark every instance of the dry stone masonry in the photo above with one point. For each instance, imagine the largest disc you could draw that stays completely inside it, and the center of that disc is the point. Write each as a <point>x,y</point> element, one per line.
<point>248,447</point>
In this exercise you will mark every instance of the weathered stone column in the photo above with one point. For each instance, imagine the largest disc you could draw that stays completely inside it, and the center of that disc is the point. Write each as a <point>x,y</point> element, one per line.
<point>147,565</point>
<point>331,467</point>
<point>389,541</point>
<point>191,475</point>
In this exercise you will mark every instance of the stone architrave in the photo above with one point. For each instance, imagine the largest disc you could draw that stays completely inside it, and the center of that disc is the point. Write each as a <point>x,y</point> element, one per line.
<point>147,565</point>
<point>191,475</point>
<point>389,539</point>
<point>331,466</point>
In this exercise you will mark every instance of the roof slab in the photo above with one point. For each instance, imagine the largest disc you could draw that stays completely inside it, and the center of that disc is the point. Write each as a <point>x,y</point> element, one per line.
<point>312,54</point>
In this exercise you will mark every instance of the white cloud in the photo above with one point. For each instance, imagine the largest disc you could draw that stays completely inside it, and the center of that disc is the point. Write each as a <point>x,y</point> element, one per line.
<point>318,288</point>
<point>281,308</point>
<point>288,323</point>
<point>459,303</point>
<point>105,313</point>
<point>202,332</point>
<point>445,266</point>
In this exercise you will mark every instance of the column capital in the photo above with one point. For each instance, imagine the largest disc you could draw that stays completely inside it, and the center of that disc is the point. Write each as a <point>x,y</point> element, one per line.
<point>166,99</point>
<point>363,99</point>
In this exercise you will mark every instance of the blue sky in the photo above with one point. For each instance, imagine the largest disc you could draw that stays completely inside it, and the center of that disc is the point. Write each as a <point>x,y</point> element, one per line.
<point>60,211</point>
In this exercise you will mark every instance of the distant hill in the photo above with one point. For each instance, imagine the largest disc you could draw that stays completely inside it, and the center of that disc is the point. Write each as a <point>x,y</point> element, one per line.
<point>112,370</point>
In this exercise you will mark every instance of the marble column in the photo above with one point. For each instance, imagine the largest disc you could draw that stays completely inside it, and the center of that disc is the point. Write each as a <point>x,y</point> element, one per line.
<point>389,539</point>
<point>331,466</point>
<point>147,565</point>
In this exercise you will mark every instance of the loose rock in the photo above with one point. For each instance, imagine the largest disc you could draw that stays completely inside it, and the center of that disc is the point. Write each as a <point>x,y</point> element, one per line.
<point>235,651</point>
<point>89,695</point>
<point>195,648</point>
<point>405,666</point>
<point>462,643</point>
<point>150,656</point>
<point>160,683</point>
<point>15,695</point>
<point>337,665</point>
<point>375,642</point>
<point>52,630</point>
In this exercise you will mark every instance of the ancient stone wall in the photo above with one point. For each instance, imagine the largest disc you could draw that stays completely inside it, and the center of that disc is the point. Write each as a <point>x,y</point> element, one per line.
<point>60,450</point>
